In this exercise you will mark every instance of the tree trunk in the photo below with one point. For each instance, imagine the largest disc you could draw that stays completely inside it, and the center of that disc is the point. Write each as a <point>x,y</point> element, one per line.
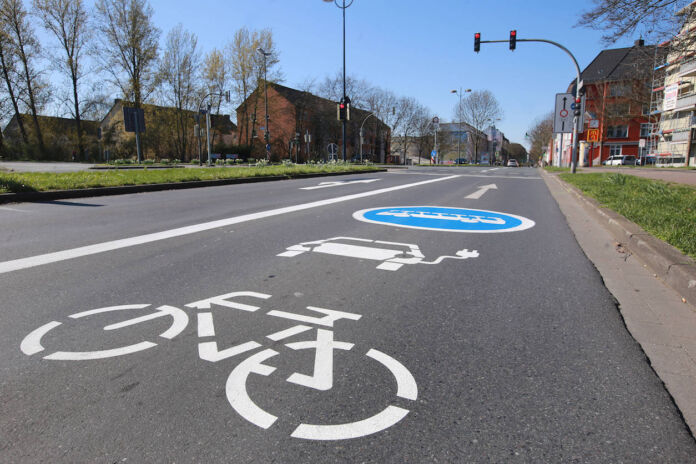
<point>78,120</point>
<point>10,91</point>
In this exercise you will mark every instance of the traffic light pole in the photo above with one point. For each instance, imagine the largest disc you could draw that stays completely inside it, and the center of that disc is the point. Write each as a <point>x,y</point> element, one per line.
<point>578,83</point>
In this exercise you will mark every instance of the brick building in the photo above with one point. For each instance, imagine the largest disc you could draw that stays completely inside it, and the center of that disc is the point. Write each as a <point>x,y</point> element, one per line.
<point>169,133</point>
<point>294,113</point>
<point>617,88</point>
<point>59,135</point>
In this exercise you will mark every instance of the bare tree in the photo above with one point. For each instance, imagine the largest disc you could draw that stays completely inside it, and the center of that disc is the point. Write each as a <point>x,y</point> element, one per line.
<point>25,47</point>
<point>9,73</point>
<point>66,20</point>
<point>479,109</point>
<point>652,19</point>
<point>180,83</point>
<point>247,71</point>
<point>358,90</point>
<point>540,134</point>
<point>215,76</point>
<point>127,46</point>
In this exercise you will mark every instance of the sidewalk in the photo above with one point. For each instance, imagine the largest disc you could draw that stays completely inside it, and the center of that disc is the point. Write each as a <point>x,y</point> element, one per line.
<point>659,319</point>
<point>679,176</point>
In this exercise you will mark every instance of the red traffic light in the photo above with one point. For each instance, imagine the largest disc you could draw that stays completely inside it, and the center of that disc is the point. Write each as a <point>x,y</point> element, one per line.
<point>513,39</point>
<point>477,42</point>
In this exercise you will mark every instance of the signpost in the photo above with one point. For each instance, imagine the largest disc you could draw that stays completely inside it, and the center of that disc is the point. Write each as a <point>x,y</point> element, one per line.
<point>593,135</point>
<point>332,148</point>
<point>563,114</point>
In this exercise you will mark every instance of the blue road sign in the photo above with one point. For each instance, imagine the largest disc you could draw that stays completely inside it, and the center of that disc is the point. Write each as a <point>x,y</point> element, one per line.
<point>445,219</point>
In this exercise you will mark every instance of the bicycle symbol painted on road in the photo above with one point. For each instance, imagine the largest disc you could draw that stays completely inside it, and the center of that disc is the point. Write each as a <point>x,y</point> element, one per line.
<point>320,323</point>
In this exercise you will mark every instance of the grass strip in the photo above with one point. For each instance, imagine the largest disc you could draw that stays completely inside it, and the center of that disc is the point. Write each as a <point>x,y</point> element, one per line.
<point>665,210</point>
<point>46,181</point>
<point>555,169</point>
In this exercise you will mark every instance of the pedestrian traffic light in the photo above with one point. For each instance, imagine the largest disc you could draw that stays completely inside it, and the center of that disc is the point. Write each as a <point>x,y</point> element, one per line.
<point>477,42</point>
<point>513,39</point>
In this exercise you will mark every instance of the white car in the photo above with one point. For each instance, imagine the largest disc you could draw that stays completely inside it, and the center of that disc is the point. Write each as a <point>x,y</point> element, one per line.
<point>513,164</point>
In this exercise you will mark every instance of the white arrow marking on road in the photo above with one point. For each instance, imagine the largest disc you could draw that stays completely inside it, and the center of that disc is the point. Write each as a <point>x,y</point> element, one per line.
<point>339,183</point>
<point>479,193</point>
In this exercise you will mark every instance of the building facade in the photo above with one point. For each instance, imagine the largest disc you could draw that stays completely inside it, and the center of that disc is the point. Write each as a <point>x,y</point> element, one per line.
<point>302,126</point>
<point>617,92</point>
<point>674,96</point>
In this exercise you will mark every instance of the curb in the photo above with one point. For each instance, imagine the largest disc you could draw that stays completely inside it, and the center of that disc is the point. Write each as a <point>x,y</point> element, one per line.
<point>668,263</point>
<point>126,189</point>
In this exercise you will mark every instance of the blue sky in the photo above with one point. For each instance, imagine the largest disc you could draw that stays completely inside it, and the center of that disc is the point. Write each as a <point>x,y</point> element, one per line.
<point>413,47</point>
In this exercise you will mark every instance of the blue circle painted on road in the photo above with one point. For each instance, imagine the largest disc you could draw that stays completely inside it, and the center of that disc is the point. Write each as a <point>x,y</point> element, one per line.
<point>445,219</point>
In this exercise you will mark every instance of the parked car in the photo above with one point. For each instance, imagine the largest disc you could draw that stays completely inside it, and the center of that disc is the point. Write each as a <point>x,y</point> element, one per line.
<point>647,160</point>
<point>621,160</point>
<point>460,161</point>
<point>513,163</point>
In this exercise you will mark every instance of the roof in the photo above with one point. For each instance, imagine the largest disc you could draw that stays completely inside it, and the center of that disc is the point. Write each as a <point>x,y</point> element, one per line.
<point>619,64</point>
<point>299,97</point>
<point>217,121</point>
<point>56,123</point>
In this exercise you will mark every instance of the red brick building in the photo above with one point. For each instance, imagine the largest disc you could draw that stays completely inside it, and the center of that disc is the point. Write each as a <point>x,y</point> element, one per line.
<point>294,113</point>
<point>617,88</point>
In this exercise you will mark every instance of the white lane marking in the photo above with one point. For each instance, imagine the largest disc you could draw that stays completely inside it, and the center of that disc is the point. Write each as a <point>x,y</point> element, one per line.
<point>479,193</point>
<point>287,333</point>
<point>32,342</point>
<point>205,325</point>
<point>339,183</point>
<point>208,351</point>
<point>383,420</point>
<point>24,263</point>
<point>322,377</point>
<point>237,393</point>
<point>88,355</point>
<point>405,383</point>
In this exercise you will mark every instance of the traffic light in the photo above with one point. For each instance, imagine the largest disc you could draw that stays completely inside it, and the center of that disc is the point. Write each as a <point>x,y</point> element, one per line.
<point>343,109</point>
<point>513,39</point>
<point>477,42</point>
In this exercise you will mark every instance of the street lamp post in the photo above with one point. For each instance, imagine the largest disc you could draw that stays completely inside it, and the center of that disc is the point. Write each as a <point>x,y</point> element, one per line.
<point>459,117</point>
<point>343,5</point>
<point>267,135</point>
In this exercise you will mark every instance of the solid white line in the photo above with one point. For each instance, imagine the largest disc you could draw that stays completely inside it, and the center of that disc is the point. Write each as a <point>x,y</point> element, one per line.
<point>24,263</point>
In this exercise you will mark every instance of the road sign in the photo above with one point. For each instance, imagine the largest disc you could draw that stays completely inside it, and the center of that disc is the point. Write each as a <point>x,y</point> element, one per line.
<point>445,219</point>
<point>133,118</point>
<point>641,143</point>
<point>593,135</point>
<point>332,148</point>
<point>563,114</point>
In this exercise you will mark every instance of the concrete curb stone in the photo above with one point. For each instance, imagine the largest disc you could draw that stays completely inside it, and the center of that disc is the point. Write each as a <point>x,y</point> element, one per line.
<point>126,189</point>
<point>670,264</point>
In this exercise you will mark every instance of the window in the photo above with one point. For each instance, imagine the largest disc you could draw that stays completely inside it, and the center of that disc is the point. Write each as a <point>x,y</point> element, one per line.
<point>618,90</point>
<point>617,132</point>
<point>645,130</point>
<point>645,110</point>
<point>614,150</point>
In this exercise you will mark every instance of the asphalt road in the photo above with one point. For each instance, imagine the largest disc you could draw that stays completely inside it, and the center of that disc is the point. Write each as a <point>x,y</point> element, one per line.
<point>518,354</point>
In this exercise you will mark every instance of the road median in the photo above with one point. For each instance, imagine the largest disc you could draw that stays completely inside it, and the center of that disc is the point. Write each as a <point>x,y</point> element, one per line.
<point>25,187</point>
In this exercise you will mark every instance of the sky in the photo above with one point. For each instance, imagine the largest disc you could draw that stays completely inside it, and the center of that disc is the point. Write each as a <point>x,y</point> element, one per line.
<point>414,48</point>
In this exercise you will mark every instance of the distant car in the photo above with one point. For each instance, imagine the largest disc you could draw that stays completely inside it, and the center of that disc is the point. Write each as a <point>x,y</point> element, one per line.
<point>512,164</point>
<point>460,161</point>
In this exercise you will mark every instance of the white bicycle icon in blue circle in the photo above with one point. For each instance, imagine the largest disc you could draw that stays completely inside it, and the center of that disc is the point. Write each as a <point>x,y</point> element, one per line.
<point>320,323</point>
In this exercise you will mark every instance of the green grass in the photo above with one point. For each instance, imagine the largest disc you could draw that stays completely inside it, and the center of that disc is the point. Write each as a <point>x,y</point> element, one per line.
<point>556,169</point>
<point>44,181</point>
<point>665,210</point>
